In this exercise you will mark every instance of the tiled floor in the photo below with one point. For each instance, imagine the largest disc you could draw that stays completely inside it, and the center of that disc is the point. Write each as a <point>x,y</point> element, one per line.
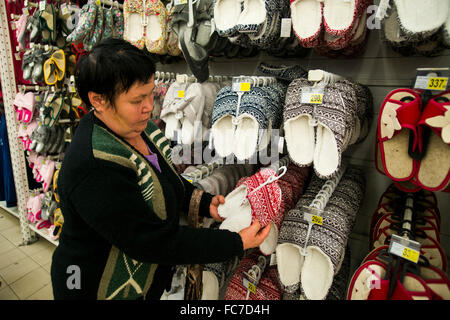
<point>24,270</point>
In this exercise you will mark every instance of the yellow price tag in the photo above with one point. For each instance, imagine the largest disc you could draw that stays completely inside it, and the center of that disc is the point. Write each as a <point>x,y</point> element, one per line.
<point>317,219</point>
<point>251,287</point>
<point>410,254</point>
<point>180,93</point>
<point>245,86</point>
<point>316,98</point>
<point>437,83</point>
<point>190,181</point>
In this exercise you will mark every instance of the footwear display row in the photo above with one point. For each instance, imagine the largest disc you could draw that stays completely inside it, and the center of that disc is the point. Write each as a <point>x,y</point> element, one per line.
<point>383,274</point>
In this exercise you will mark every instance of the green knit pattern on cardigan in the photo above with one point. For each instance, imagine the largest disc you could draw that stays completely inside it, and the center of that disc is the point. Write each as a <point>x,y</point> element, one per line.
<point>123,277</point>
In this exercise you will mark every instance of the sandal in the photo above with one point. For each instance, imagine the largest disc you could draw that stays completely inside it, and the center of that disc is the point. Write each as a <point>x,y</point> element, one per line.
<point>48,26</point>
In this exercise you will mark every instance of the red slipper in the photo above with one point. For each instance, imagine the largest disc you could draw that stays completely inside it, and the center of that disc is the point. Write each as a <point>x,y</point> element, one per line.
<point>307,21</point>
<point>433,171</point>
<point>398,117</point>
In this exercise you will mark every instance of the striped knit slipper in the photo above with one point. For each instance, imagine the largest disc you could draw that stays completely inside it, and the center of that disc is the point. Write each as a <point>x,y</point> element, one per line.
<point>326,245</point>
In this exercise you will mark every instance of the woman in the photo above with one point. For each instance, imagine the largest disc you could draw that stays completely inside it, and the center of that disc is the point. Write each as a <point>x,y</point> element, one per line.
<point>121,196</point>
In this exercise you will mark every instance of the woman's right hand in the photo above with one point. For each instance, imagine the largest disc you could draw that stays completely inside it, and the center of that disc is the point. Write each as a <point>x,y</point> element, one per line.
<point>253,235</point>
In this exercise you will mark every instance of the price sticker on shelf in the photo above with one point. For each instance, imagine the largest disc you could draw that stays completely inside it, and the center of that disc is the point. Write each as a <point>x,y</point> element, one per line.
<point>312,95</point>
<point>437,83</point>
<point>313,218</point>
<point>241,84</point>
<point>249,285</point>
<point>42,5</point>
<point>405,248</point>
<point>435,79</point>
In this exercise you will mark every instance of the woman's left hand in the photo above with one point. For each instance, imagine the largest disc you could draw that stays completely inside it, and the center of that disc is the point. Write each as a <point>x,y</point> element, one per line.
<point>215,202</point>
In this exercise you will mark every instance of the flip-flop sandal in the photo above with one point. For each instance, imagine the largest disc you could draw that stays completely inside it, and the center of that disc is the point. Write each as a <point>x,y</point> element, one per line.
<point>134,23</point>
<point>307,21</point>
<point>398,118</point>
<point>299,130</point>
<point>418,20</point>
<point>433,169</point>
<point>52,110</point>
<point>156,29</point>
<point>48,25</point>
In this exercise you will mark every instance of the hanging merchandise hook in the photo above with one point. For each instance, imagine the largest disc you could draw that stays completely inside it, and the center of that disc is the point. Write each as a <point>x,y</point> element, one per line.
<point>270,180</point>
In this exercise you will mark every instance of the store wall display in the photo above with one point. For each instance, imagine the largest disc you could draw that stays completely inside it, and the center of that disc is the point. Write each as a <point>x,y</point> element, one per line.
<point>383,274</point>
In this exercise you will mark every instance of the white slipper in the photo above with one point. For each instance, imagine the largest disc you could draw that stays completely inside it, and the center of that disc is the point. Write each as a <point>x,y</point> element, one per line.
<point>307,21</point>
<point>245,137</point>
<point>289,264</point>
<point>237,216</point>
<point>226,15</point>
<point>210,286</point>
<point>326,153</point>
<point>192,114</point>
<point>316,263</point>
<point>171,112</point>
<point>300,139</point>
<point>421,16</point>
<point>269,245</point>
<point>252,17</point>
<point>340,15</point>
<point>133,23</point>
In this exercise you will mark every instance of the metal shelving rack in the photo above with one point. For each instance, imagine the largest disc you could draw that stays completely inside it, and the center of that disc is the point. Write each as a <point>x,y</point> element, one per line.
<point>9,90</point>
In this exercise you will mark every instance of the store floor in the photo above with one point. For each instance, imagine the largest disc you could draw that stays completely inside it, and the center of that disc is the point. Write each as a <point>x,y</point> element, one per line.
<point>24,270</point>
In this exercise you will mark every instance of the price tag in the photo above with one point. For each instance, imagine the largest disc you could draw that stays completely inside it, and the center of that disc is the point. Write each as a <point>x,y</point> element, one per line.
<point>64,9</point>
<point>273,259</point>
<point>312,95</point>
<point>72,88</point>
<point>313,215</point>
<point>42,5</point>
<point>286,25</point>
<point>250,286</point>
<point>432,79</point>
<point>405,248</point>
<point>241,84</point>
<point>180,93</point>
<point>437,83</point>
<point>178,2</point>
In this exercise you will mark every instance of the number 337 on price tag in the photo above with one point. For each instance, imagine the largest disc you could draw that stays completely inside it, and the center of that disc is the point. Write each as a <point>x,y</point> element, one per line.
<point>437,83</point>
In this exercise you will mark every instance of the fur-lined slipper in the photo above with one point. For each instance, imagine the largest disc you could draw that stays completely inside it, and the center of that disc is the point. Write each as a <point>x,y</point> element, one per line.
<point>222,128</point>
<point>134,26</point>
<point>307,21</point>
<point>336,118</point>
<point>340,16</point>
<point>156,29</point>
<point>226,16</point>
<point>434,168</point>
<point>398,118</point>
<point>418,19</point>
<point>299,130</point>
<point>267,288</point>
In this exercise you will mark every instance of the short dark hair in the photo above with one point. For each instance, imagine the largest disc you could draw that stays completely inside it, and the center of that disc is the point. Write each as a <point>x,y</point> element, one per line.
<point>111,68</point>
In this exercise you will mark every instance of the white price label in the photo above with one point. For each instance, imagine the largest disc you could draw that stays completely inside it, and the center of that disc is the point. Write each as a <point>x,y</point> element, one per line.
<point>250,286</point>
<point>311,95</point>
<point>42,5</point>
<point>405,248</point>
<point>286,26</point>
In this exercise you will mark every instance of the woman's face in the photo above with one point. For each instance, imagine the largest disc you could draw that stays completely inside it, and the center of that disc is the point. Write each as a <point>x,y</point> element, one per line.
<point>132,110</point>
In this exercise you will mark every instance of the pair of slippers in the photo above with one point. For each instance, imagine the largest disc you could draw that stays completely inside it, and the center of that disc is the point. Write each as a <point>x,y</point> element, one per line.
<point>416,215</point>
<point>318,133</point>
<point>334,24</point>
<point>383,276</point>
<point>146,25</point>
<point>254,23</point>
<point>96,23</point>
<point>24,105</point>
<point>242,121</point>
<point>264,196</point>
<point>187,110</point>
<point>417,27</point>
<point>413,139</point>
<point>307,263</point>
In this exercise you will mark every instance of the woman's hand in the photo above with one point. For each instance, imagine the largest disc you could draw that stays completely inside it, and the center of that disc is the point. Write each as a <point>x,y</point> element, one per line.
<point>253,236</point>
<point>213,207</point>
